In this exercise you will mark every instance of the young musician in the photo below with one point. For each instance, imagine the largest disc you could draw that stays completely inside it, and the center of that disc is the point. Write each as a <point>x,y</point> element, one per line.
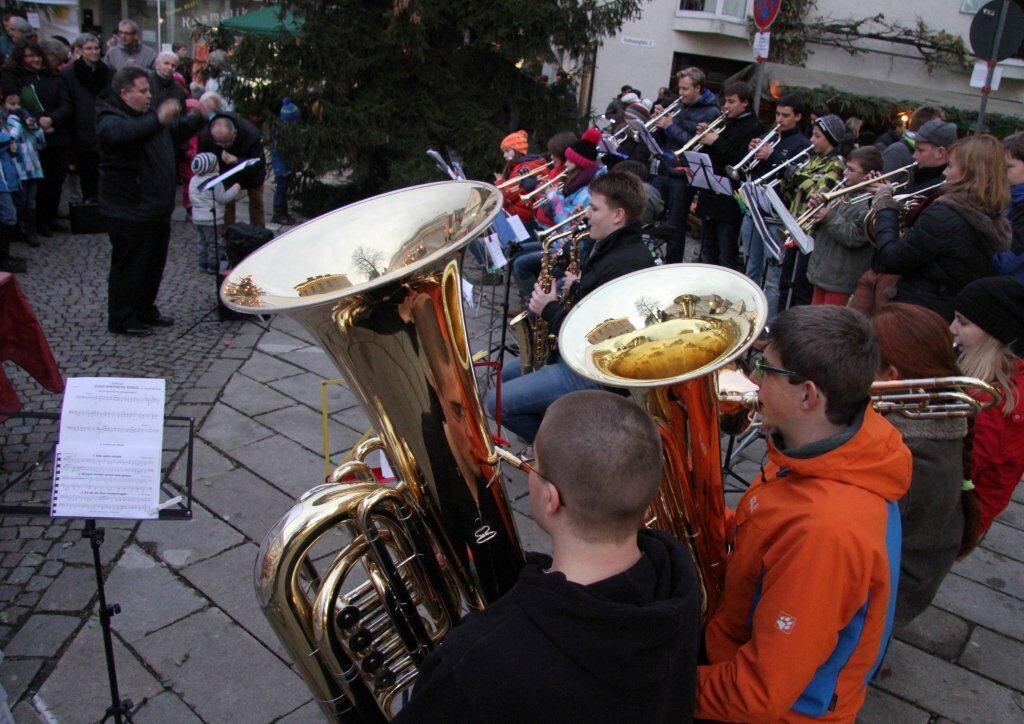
<point>807,607</point>
<point>615,248</point>
<point>915,343</point>
<point>901,152</point>
<point>608,627</point>
<point>1012,262</point>
<point>952,241</point>
<point>720,213</point>
<point>818,175</point>
<point>989,330</point>
<point>515,149</point>
<point>699,106</point>
<point>841,249</point>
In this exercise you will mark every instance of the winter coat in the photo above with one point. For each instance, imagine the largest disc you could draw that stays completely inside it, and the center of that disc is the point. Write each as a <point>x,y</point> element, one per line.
<point>621,252</point>
<point>512,195</point>
<point>560,205</point>
<point>997,453</point>
<point>118,57</point>
<point>806,611</point>
<point>1011,263</point>
<point>138,174</point>
<point>792,142</point>
<point>10,181</point>
<point>931,511</point>
<point>203,201</point>
<point>86,85</point>
<point>950,245</point>
<point>732,145</point>
<point>621,649</point>
<point>841,249</point>
<point>44,94</point>
<point>704,110</point>
<point>923,178</point>
<point>29,144</point>
<point>247,145</point>
<point>897,155</point>
<point>164,88</point>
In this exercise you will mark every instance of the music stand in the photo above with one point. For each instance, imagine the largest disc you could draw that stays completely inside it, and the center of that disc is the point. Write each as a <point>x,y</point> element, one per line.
<point>177,508</point>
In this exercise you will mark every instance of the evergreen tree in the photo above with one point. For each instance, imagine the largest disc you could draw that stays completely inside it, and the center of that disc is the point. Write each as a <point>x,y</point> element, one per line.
<point>380,82</point>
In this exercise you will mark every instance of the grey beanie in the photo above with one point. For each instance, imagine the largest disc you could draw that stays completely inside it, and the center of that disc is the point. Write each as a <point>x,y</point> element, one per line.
<point>203,163</point>
<point>833,128</point>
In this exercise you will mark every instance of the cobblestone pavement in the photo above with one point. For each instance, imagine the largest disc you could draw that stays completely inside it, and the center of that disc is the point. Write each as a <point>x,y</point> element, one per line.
<point>191,643</point>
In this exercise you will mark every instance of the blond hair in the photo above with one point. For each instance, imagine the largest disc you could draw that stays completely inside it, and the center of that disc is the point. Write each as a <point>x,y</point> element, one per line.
<point>983,162</point>
<point>994,362</point>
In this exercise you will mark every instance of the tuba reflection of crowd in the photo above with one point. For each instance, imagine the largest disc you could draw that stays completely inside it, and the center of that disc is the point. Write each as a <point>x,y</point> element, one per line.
<point>416,601</point>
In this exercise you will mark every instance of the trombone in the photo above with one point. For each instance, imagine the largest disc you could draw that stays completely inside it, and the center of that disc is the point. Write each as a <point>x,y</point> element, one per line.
<point>542,187</point>
<point>748,162</point>
<point>694,144</point>
<point>517,179</point>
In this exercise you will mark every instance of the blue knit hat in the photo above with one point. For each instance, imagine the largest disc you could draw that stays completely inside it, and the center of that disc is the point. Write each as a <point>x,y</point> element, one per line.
<point>289,111</point>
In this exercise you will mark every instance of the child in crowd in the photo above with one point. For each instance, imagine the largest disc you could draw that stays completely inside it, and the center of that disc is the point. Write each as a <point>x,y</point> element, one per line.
<point>207,206</point>
<point>30,139</point>
<point>989,330</point>
<point>282,170</point>
<point>9,185</point>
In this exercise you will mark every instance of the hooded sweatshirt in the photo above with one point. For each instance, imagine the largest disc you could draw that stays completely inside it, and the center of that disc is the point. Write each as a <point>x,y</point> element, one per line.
<point>621,649</point>
<point>809,592</point>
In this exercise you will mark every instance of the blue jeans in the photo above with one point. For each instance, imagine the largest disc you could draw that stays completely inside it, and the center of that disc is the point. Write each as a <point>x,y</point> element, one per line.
<point>525,398</point>
<point>757,258</point>
<point>8,211</point>
<point>526,267</point>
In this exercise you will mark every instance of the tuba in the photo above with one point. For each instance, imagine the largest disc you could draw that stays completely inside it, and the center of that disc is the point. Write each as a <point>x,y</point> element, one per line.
<point>677,325</point>
<point>361,580</point>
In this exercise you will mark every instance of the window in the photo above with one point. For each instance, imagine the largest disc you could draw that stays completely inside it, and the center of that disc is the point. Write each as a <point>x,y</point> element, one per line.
<point>725,8</point>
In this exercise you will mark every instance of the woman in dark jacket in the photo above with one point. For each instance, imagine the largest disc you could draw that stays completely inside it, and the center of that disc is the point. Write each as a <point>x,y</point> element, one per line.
<point>45,95</point>
<point>88,80</point>
<point>953,240</point>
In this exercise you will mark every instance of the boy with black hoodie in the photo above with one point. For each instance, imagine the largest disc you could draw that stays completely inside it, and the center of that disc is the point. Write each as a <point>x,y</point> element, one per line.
<point>606,629</point>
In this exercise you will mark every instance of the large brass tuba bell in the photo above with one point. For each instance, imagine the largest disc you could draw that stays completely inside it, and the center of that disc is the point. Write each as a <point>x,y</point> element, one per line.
<point>360,580</point>
<point>672,328</point>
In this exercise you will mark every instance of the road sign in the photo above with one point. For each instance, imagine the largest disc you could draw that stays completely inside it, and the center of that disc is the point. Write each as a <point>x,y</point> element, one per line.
<point>765,12</point>
<point>984,29</point>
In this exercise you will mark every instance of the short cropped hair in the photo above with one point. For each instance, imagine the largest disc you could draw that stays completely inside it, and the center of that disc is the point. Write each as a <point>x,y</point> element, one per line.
<point>636,168</point>
<point>1014,145</point>
<point>84,38</point>
<point>216,98</point>
<point>869,158</point>
<point>603,453</point>
<point>741,89</point>
<point>833,347</point>
<point>794,101</point>
<point>923,114</point>
<point>623,191</point>
<point>696,76</point>
<point>126,77</point>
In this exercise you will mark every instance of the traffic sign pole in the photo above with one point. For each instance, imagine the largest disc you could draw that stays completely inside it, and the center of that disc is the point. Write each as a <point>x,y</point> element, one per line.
<point>980,125</point>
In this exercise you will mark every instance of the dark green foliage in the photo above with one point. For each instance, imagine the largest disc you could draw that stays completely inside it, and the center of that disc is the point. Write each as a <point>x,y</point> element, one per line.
<point>379,83</point>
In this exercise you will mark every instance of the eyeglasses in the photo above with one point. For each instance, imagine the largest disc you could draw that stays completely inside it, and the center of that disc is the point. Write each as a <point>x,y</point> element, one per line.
<point>127,32</point>
<point>528,468</point>
<point>761,367</point>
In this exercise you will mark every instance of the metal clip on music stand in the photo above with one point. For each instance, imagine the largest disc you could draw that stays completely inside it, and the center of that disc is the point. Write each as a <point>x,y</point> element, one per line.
<point>119,709</point>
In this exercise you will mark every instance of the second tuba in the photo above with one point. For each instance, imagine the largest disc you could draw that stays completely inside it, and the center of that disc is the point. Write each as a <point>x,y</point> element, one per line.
<point>360,580</point>
<point>663,333</point>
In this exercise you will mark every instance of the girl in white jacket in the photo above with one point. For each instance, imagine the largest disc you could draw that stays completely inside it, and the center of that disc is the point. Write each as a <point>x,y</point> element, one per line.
<point>204,213</point>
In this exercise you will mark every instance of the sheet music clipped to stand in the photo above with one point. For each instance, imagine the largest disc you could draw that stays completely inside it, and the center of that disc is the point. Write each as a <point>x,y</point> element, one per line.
<point>109,456</point>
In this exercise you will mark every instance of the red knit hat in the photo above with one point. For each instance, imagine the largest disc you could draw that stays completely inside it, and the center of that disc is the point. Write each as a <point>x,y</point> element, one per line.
<point>517,141</point>
<point>593,135</point>
<point>583,153</point>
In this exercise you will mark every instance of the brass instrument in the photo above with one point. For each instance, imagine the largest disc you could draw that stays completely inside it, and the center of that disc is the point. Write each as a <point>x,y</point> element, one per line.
<point>695,144</point>
<point>620,135</point>
<point>544,186</point>
<point>907,202</point>
<point>748,163</point>
<point>567,220</point>
<point>515,180</point>
<point>672,327</point>
<point>929,398</point>
<point>803,157</point>
<point>361,580</point>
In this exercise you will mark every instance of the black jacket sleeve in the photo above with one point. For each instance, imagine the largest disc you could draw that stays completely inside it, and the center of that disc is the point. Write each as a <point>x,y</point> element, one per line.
<point>436,696</point>
<point>916,248</point>
<point>116,130</point>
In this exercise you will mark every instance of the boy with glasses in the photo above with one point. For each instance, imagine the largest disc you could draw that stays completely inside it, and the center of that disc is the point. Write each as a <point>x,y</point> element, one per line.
<point>605,629</point>
<point>810,587</point>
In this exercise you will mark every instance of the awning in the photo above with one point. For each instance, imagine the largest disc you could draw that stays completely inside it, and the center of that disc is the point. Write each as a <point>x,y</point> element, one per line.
<point>968,100</point>
<point>268,22</point>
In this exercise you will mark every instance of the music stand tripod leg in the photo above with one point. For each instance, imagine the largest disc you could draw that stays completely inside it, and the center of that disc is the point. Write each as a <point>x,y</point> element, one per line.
<point>119,709</point>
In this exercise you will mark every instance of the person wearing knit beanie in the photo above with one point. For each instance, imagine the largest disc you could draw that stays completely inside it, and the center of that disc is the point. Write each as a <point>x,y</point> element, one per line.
<point>517,141</point>
<point>289,111</point>
<point>833,128</point>
<point>996,305</point>
<point>637,112</point>
<point>203,163</point>
<point>582,154</point>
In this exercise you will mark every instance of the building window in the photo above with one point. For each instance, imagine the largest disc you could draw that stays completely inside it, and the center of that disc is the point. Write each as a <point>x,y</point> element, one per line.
<point>970,7</point>
<point>723,8</point>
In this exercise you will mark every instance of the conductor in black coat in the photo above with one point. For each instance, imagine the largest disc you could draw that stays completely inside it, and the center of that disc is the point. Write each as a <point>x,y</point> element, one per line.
<point>605,630</point>
<point>137,192</point>
<point>720,213</point>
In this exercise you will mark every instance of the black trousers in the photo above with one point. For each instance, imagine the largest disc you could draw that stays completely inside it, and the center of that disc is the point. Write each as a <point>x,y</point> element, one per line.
<point>137,257</point>
<point>795,289</point>
<point>54,161</point>
<point>88,172</point>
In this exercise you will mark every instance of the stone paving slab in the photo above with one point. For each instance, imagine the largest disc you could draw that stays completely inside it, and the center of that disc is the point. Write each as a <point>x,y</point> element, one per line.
<point>71,591</point>
<point>305,388</point>
<point>936,632</point>
<point>165,708</point>
<point>264,368</point>
<point>1005,540</point>
<point>227,429</point>
<point>196,657</point>
<point>42,635</point>
<point>994,570</point>
<point>305,426</point>
<point>252,398</point>
<point>244,501</point>
<point>17,674</point>
<point>179,543</point>
<point>285,464</point>
<point>883,708</point>
<point>996,657</point>
<point>983,605</point>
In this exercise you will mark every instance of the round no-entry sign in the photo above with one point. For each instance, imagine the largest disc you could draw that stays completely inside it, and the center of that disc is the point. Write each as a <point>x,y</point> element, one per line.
<point>765,12</point>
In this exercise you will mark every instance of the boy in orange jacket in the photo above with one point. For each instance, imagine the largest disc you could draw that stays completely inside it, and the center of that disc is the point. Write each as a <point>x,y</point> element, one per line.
<point>810,588</point>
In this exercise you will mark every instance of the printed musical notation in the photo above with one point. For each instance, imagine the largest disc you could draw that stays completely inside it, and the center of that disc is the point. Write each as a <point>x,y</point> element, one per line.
<point>108,460</point>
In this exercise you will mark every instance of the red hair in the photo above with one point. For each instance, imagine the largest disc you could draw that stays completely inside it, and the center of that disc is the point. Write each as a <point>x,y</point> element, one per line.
<point>914,340</point>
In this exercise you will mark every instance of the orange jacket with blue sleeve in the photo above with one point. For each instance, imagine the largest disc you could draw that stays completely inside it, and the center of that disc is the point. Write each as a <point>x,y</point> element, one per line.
<point>810,585</point>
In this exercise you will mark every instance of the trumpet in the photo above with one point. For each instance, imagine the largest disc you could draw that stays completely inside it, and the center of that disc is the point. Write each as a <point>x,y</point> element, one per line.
<point>837,192</point>
<point>694,144</point>
<point>542,187</point>
<point>748,162</point>
<point>568,220</point>
<point>521,177</point>
<point>620,135</point>
<point>804,156</point>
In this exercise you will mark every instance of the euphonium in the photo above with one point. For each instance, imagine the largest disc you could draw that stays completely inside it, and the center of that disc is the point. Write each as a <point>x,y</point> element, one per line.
<point>360,580</point>
<point>663,333</point>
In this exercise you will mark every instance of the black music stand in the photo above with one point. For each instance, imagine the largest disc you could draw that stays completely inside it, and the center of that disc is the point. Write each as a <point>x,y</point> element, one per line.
<point>119,709</point>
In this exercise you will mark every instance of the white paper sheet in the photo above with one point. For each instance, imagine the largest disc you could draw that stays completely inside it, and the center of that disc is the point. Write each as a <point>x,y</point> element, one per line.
<point>493,246</point>
<point>109,456</point>
<point>517,226</point>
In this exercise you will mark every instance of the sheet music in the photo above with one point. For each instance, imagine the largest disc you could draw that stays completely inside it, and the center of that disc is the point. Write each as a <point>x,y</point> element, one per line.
<point>109,455</point>
<point>493,246</point>
<point>704,176</point>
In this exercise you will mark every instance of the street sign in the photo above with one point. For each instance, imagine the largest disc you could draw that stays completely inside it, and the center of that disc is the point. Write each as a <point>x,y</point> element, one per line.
<point>985,25</point>
<point>765,12</point>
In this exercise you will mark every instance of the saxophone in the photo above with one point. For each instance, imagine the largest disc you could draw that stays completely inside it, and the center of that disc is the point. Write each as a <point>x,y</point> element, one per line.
<point>542,347</point>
